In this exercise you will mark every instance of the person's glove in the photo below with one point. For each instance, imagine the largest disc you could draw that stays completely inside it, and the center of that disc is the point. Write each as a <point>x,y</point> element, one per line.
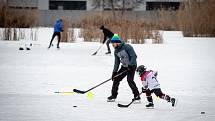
<point>156,74</point>
<point>113,75</point>
<point>143,90</point>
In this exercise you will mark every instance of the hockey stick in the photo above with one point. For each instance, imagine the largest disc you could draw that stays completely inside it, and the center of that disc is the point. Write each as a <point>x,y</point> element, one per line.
<point>98,49</point>
<point>64,92</point>
<point>125,106</point>
<point>82,92</point>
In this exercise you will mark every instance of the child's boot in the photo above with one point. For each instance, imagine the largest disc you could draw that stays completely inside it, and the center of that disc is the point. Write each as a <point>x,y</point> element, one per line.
<point>150,105</point>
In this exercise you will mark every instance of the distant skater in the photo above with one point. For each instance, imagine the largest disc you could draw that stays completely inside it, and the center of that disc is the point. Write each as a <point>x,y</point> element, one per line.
<point>107,37</point>
<point>58,28</point>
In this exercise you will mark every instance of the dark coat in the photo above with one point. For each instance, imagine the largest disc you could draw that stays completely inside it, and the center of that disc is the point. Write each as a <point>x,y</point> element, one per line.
<point>124,54</point>
<point>107,33</point>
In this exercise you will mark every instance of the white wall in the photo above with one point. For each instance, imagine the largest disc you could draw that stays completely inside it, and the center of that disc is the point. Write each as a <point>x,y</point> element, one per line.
<point>164,0</point>
<point>141,7</point>
<point>43,4</point>
<point>22,3</point>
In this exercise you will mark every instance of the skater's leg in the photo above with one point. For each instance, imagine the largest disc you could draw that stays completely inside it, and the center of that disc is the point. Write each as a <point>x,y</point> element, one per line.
<point>131,83</point>
<point>53,36</point>
<point>108,46</point>
<point>116,82</point>
<point>149,98</point>
<point>161,95</point>
<point>59,38</point>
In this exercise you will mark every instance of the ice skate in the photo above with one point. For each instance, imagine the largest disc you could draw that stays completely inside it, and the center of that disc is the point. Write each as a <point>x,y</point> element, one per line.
<point>111,98</point>
<point>173,101</point>
<point>137,100</point>
<point>108,53</point>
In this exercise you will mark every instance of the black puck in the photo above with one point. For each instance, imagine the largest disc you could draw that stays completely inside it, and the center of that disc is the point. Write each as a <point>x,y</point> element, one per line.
<point>202,112</point>
<point>74,106</point>
<point>21,48</point>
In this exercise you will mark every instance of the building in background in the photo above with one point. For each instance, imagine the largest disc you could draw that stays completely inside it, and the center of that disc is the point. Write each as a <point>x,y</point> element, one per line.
<point>50,10</point>
<point>134,5</point>
<point>51,4</point>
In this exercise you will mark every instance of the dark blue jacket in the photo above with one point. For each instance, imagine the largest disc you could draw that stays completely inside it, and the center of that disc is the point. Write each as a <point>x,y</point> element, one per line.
<point>58,27</point>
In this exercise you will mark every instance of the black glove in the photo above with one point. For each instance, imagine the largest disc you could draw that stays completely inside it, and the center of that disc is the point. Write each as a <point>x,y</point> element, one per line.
<point>143,90</point>
<point>113,75</point>
<point>156,74</point>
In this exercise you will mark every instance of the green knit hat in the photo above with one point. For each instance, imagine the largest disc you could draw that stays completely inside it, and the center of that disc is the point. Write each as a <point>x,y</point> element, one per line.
<point>115,39</point>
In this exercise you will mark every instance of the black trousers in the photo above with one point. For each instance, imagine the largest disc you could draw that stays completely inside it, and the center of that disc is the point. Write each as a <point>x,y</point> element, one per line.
<point>130,80</point>
<point>158,93</point>
<point>108,44</point>
<point>53,36</point>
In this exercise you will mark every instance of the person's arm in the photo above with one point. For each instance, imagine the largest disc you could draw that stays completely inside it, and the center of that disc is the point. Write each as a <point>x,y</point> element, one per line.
<point>129,49</point>
<point>116,66</point>
<point>116,63</point>
<point>61,26</point>
<point>144,82</point>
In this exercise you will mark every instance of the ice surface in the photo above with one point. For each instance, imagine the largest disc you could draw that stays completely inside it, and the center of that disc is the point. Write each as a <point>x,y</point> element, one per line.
<point>28,80</point>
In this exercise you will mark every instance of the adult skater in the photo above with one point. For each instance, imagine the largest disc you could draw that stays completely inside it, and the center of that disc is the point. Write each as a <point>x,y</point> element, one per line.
<point>58,28</point>
<point>125,54</point>
<point>151,85</point>
<point>107,36</point>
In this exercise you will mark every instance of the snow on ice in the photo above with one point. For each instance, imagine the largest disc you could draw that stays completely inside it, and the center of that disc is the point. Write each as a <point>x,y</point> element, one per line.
<point>28,80</point>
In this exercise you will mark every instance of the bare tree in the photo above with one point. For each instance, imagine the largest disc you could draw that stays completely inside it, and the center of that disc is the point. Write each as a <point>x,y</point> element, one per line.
<point>120,5</point>
<point>113,7</point>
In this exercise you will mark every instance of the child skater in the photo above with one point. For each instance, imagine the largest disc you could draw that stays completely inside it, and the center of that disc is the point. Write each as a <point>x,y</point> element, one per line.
<point>151,85</point>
